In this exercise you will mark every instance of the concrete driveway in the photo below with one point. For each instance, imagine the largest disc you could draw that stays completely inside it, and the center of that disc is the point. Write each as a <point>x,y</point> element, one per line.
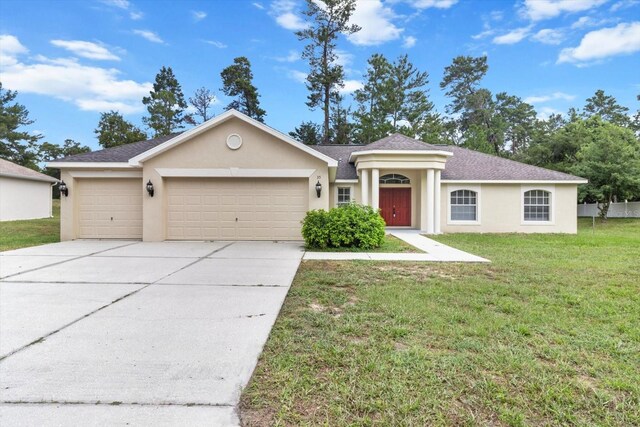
<point>121,332</point>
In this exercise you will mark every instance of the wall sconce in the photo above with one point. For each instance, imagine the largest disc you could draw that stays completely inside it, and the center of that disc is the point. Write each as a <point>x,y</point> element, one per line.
<point>63,189</point>
<point>318,188</point>
<point>150,188</point>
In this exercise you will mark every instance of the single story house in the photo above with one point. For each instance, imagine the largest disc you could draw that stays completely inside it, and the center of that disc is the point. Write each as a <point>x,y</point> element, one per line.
<point>24,193</point>
<point>234,178</point>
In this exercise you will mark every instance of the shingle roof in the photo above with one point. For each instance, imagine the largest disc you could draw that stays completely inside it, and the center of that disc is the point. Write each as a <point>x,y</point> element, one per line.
<point>397,141</point>
<point>341,153</point>
<point>12,170</point>
<point>121,153</point>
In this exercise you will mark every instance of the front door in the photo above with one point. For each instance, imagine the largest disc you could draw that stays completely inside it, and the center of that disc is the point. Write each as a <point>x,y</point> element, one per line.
<point>395,206</point>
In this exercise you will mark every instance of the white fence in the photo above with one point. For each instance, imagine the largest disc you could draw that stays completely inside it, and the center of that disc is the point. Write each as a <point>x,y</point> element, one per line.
<point>616,210</point>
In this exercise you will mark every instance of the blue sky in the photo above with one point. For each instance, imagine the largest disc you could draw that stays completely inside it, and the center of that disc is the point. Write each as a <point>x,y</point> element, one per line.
<point>71,60</point>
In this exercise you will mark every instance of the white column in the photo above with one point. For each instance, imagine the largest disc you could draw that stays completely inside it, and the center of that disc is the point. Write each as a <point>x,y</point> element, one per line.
<point>436,203</point>
<point>430,200</point>
<point>364,186</point>
<point>375,188</point>
<point>423,200</point>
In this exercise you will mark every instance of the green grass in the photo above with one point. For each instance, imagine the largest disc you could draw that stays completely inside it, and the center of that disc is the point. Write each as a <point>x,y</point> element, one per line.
<point>391,244</point>
<point>548,334</point>
<point>32,232</point>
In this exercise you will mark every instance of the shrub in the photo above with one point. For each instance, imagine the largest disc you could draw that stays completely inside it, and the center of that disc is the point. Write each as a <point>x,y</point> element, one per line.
<point>347,226</point>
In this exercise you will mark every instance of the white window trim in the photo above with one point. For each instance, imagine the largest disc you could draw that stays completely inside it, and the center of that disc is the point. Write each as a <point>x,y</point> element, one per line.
<point>351,193</point>
<point>552,201</point>
<point>477,189</point>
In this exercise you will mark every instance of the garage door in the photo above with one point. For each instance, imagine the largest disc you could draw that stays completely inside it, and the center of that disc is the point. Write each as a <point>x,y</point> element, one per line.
<point>109,208</point>
<point>235,209</point>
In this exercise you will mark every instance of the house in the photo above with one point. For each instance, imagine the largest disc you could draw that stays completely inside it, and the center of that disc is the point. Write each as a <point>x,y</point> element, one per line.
<point>24,193</point>
<point>234,178</point>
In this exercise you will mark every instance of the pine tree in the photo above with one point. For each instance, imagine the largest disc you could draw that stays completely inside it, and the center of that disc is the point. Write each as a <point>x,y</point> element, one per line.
<point>202,101</point>
<point>113,130</point>
<point>16,145</point>
<point>237,80</point>
<point>165,104</point>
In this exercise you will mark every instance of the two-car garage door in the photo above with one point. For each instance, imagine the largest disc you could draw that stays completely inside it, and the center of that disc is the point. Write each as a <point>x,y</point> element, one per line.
<point>235,209</point>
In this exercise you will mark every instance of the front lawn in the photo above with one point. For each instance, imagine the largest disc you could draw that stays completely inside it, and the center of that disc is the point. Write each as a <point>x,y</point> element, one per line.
<point>548,334</point>
<point>391,244</point>
<point>31,232</point>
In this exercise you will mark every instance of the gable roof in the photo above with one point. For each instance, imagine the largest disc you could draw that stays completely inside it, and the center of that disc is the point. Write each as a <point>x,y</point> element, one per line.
<point>185,136</point>
<point>12,170</point>
<point>463,165</point>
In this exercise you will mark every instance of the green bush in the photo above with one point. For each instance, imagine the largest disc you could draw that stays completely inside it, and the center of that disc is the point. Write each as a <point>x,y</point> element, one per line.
<point>347,226</point>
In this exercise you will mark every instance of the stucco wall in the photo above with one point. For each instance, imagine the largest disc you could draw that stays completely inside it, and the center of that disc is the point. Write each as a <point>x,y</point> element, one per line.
<point>501,207</point>
<point>24,199</point>
<point>259,150</point>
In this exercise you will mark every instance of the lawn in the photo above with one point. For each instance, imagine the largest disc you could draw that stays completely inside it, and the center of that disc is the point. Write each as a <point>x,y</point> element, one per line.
<point>548,334</point>
<point>32,232</point>
<point>391,244</point>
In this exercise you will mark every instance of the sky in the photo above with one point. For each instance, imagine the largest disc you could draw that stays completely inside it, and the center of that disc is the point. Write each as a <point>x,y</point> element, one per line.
<point>71,60</point>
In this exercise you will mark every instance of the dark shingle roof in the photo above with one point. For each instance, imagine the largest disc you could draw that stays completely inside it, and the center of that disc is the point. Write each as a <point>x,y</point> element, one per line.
<point>121,153</point>
<point>397,142</point>
<point>13,170</point>
<point>341,153</point>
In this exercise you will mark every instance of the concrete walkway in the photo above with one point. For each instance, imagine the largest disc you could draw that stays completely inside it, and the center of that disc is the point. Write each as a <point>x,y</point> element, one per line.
<point>435,251</point>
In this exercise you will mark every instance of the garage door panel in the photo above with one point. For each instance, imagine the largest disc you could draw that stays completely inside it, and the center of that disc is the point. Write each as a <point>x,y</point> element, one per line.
<point>266,209</point>
<point>109,208</point>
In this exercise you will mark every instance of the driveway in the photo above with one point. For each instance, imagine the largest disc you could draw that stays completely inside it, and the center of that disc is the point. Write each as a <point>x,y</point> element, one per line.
<point>121,332</point>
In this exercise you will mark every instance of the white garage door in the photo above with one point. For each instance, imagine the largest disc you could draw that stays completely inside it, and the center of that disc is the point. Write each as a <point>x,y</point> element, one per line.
<point>109,208</point>
<point>235,209</point>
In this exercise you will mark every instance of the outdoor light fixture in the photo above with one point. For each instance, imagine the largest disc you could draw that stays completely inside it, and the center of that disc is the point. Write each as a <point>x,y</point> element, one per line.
<point>150,188</point>
<point>318,188</point>
<point>63,189</point>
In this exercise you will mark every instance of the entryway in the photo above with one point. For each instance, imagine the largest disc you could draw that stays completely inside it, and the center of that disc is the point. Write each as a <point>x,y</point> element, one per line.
<point>395,206</point>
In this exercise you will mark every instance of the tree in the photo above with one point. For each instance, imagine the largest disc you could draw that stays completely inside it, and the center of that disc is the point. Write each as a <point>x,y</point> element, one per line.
<point>330,18</point>
<point>113,130</point>
<point>610,160</point>
<point>308,133</point>
<point>16,145</point>
<point>165,104</point>
<point>462,80</point>
<point>516,120</point>
<point>237,80</point>
<point>201,101</point>
<point>370,115</point>
<point>341,129</point>
<point>607,107</point>
<point>48,152</point>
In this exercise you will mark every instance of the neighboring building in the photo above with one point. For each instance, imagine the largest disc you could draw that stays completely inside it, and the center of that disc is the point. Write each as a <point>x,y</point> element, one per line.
<point>233,177</point>
<point>24,193</point>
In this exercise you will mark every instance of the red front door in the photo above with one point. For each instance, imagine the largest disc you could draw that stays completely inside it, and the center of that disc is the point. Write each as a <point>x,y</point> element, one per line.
<point>395,206</point>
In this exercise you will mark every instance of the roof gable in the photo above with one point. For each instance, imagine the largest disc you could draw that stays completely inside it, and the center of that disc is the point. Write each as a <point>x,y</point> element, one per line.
<point>396,142</point>
<point>12,170</point>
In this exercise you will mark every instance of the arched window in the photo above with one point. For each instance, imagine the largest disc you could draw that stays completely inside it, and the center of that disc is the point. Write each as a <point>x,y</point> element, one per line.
<point>394,178</point>
<point>464,205</point>
<point>537,205</point>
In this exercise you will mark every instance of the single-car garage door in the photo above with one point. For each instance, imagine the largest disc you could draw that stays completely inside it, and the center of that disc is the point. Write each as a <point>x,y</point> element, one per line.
<point>109,208</point>
<point>235,209</point>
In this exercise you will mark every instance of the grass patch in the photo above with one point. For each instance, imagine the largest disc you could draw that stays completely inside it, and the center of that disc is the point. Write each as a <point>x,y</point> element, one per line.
<point>30,232</point>
<point>548,334</point>
<point>391,244</point>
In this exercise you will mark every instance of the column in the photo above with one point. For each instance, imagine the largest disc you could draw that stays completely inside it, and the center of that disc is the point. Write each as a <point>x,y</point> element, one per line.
<point>375,188</point>
<point>364,186</point>
<point>430,200</point>
<point>437,203</point>
<point>423,200</point>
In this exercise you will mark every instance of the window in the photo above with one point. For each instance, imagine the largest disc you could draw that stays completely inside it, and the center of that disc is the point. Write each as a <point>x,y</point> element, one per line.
<point>344,195</point>
<point>464,205</point>
<point>537,206</point>
<point>393,178</point>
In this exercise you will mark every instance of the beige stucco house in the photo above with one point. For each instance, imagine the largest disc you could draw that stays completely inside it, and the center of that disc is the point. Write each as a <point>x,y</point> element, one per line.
<point>24,193</point>
<point>235,178</point>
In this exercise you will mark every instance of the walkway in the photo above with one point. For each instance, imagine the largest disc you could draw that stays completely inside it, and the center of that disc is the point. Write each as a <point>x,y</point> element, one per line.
<point>435,251</point>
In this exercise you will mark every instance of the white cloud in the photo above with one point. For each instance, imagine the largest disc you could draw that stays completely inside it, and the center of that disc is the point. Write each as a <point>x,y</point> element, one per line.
<point>375,20</point>
<point>623,4</point>
<point>293,56</point>
<point>121,4</point>
<point>425,4</point>
<point>149,35</point>
<point>537,10</point>
<point>136,16</point>
<point>86,49</point>
<point>409,42</point>
<point>549,36</point>
<point>10,48</point>
<point>344,58</point>
<point>296,75</point>
<point>198,15</point>
<point>513,36</point>
<point>284,12</point>
<point>216,43</point>
<point>540,99</point>
<point>351,86</point>
<point>545,112</point>
<point>258,5</point>
<point>600,44</point>
<point>483,34</point>
<point>88,87</point>
<point>587,21</point>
